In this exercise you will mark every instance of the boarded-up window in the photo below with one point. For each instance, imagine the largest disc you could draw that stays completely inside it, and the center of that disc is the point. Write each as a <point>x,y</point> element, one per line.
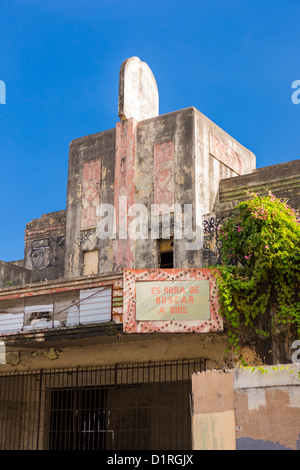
<point>11,322</point>
<point>95,305</point>
<point>90,262</point>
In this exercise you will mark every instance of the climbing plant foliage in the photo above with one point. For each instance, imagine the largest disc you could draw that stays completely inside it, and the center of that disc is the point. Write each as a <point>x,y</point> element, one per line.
<point>259,277</point>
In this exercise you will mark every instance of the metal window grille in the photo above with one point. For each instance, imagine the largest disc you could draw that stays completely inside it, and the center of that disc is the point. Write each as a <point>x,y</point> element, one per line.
<point>121,407</point>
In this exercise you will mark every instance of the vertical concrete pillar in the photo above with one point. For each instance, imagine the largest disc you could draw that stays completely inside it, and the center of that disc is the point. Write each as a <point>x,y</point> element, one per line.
<point>124,196</point>
<point>213,421</point>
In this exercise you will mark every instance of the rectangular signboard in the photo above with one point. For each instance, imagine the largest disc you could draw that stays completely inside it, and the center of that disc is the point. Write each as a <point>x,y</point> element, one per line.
<point>172,300</point>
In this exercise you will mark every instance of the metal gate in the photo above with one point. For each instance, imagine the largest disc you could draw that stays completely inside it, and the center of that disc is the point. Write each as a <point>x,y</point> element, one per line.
<point>132,406</point>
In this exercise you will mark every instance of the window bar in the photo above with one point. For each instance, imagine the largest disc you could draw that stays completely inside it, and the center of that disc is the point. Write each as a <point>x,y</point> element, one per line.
<point>156,403</point>
<point>70,406</point>
<point>94,411</point>
<point>115,398</point>
<point>74,412</point>
<point>28,412</point>
<point>33,413</point>
<point>131,403</point>
<point>161,399</point>
<point>39,411</point>
<point>61,413</point>
<point>65,397</point>
<point>12,396</point>
<point>4,384</point>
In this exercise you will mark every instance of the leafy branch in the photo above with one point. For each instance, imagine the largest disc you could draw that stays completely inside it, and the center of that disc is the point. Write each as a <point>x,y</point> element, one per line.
<point>260,271</point>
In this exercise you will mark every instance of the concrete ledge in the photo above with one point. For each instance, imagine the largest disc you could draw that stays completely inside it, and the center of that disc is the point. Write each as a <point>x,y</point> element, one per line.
<point>267,376</point>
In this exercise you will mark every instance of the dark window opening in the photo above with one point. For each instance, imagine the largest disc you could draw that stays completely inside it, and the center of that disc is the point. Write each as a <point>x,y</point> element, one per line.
<point>35,316</point>
<point>166,260</point>
<point>166,254</point>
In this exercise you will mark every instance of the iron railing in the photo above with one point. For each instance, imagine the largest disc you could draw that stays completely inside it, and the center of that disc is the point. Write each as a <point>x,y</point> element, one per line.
<point>124,406</point>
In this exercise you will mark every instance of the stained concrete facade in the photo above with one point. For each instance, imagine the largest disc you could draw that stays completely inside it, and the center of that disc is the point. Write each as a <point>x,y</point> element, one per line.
<point>180,158</point>
<point>45,247</point>
<point>174,159</point>
<point>177,143</point>
<point>13,274</point>
<point>177,159</point>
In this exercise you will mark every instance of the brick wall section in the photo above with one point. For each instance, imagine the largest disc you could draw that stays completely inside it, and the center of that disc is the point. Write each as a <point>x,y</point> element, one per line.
<point>48,225</point>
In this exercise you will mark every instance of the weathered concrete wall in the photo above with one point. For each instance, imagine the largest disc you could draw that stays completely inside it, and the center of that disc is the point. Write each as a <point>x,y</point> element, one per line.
<point>164,175</point>
<point>82,192</point>
<point>13,275</point>
<point>174,165</point>
<point>218,156</point>
<point>282,180</point>
<point>161,160</point>
<point>258,408</point>
<point>124,192</point>
<point>213,421</point>
<point>45,246</point>
<point>267,408</point>
<point>116,349</point>
<point>212,245</point>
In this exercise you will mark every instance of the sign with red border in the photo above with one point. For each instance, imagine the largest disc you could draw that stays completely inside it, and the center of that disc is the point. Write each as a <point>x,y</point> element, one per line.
<point>170,301</point>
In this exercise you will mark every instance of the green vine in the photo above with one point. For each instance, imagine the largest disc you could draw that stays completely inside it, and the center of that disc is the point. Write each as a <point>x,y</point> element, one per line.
<point>264,370</point>
<point>260,273</point>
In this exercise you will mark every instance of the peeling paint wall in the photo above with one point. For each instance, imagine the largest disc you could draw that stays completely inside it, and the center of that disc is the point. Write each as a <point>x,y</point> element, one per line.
<point>213,421</point>
<point>164,175</point>
<point>267,408</point>
<point>125,156</point>
<point>260,407</point>
<point>84,153</point>
<point>217,156</point>
<point>162,160</point>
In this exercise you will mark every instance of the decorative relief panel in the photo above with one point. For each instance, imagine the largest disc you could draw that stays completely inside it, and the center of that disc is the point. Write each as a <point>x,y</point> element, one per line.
<point>164,173</point>
<point>91,182</point>
<point>225,154</point>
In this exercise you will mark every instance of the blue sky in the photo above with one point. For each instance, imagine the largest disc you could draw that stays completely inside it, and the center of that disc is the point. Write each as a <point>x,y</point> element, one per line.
<point>234,61</point>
